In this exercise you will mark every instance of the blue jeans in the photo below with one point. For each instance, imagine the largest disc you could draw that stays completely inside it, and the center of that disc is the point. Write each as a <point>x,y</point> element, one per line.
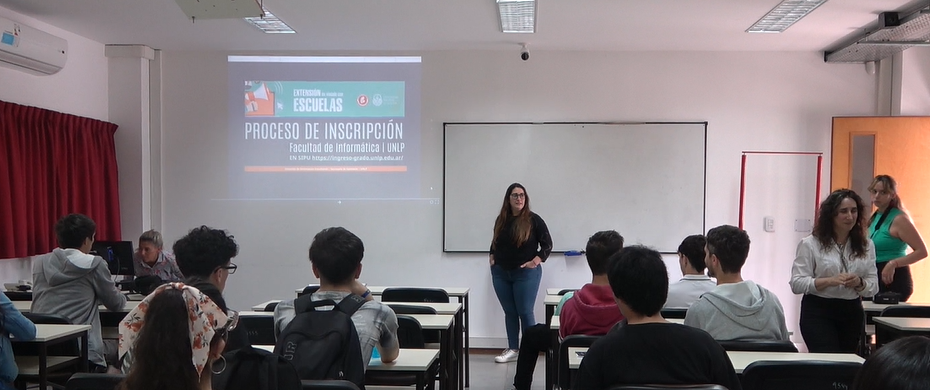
<point>516,290</point>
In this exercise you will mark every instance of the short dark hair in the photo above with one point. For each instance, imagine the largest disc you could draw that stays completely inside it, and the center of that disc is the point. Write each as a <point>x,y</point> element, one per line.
<point>731,246</point>
<point>692,247</point>
<point>600,247</point>
<point>73,229</point>
<point>336,253</point>
<point>638,277</point>
<point>898,365</point>
<point>203,250</point>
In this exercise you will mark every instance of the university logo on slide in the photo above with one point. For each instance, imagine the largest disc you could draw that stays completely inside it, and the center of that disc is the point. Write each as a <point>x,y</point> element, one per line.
<point>362,100</point>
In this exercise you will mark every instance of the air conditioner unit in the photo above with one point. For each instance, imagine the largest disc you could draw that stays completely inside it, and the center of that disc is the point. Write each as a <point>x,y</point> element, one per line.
<point>31,50</point>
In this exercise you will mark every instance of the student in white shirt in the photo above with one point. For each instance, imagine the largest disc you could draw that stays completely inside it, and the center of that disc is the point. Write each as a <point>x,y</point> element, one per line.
<point>693,282</point>
<point>834,267</point>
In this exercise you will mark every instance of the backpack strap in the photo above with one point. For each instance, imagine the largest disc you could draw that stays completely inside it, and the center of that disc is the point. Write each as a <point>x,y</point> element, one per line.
<point>350,304</point>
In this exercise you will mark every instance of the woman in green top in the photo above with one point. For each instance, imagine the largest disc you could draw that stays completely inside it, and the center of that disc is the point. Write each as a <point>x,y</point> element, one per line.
<point>892,231</point>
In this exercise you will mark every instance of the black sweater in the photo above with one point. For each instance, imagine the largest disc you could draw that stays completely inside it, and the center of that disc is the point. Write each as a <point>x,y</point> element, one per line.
<point>510,256</point>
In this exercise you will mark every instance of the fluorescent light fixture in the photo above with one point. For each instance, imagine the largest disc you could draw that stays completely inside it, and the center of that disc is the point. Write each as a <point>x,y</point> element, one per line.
<point>517,16</point>
<point>270,24</point>
<point>784,15</point>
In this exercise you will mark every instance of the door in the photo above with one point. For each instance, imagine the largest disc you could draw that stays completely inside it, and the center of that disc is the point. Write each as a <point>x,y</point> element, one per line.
<point>897,146</point>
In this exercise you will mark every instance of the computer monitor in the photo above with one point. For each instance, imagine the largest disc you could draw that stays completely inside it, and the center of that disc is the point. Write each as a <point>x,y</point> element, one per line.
<point>117,254</point>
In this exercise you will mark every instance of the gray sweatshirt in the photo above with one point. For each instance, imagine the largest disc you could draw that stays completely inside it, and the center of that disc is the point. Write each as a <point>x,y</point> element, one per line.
<point>739,311</point>
<point>71,283</point>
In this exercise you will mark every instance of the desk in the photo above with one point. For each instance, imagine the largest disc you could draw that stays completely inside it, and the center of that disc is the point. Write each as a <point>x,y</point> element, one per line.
<point>26,307</point>
<point>556,291</point>
<point>551,302</point>
<point>47,335</point>
<point>741,359</point>
<point>421,362</point>
<point>460,293</point>
<point>888,329</point>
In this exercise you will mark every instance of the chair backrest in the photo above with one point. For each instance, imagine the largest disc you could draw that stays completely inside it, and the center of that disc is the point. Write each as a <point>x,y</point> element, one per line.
<point>271,306</point>
<point>565,377</point>
<point>799,375</point>
<point>659,387</point>
<point>906,311</point>
<point>259,328</point>
<point>309,290</point>
<point>86,381</point>
<point>759,346</point>
<point>328,385</point>
<point>674,312</point>
<point>47,318</point>
<point>19,295</point>
<point>414,294</point>
<point>566,291</point>
<point>411,309</point>
<point>68,348</point>
<point>410,333</point>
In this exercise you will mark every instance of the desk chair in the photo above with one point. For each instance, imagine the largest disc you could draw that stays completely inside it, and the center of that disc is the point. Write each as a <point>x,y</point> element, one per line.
<point>308,290</point>
<point>659,387</point>
<point>70,348</point>
<point>259,329</point>
<point>414,294</point>
<point>674,312</point>
<point>85,381</point>
<point>271,306</point>
<point>564,374</point>
<point>328,385</point>
<point>799,375</point>
<point>566,291</point>
<point>759,346</point>
<point>409,335</point>
<point>430,336</point>
<point>906,311</point>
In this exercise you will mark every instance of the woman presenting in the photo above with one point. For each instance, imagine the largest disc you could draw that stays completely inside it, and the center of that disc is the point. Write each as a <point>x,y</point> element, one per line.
<point>892,232</point>
<point>834,266</point>
<point>521,243</point>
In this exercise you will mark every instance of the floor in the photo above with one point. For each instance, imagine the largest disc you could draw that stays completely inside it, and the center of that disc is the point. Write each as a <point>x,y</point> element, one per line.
<point>488,375</point>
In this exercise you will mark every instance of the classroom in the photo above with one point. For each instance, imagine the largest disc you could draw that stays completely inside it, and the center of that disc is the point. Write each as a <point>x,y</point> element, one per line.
<point>164,80</point>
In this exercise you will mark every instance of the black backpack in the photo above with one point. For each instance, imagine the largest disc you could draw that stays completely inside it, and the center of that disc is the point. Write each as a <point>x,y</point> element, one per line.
<point>255,369</point>
<point>323,344</point>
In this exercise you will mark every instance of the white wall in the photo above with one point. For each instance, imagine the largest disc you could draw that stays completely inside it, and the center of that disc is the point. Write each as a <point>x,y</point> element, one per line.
<point>915,81</point>
<point>752,101</point>
<point>80,88</point>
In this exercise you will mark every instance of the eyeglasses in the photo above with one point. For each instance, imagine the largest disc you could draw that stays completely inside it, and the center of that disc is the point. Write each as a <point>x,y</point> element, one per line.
<point>231,268</point>
<point>517,195</point>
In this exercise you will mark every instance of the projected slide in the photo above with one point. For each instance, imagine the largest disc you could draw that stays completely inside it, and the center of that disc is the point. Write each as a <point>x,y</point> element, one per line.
<point>326,128</point>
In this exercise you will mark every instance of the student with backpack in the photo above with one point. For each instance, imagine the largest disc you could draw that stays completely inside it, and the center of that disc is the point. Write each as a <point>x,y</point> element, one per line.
<point>301,324</point>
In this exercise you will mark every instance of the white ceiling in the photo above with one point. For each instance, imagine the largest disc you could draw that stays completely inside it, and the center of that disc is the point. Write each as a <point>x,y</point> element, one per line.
<point>415,25</point>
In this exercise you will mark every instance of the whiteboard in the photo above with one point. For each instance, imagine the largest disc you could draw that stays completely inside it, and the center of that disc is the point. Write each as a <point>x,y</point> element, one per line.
<point>644,180</point>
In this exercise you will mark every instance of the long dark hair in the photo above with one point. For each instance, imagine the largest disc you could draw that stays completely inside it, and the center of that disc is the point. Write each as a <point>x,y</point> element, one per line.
<point>899,365</point>
<point>523,224</point>
<point>162,353</point>
<point>823,228</point>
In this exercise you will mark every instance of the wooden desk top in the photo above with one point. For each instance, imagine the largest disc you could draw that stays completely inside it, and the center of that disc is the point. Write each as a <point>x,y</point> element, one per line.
<point>741,359</point>
<point>407,360</point>
<point>49,332</point>
<point>26,306</point>
<point>906,324</point>
<point>377,290</point>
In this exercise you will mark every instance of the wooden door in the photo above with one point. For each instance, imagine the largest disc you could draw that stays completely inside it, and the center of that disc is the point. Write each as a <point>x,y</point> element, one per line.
<point>902,150</point>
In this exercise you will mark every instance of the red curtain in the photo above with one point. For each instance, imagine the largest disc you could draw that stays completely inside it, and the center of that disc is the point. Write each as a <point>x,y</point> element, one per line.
<point>53,164</point>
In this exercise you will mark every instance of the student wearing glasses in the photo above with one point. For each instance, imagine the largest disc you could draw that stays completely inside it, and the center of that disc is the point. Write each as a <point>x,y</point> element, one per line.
<point>892,231</point>
<point>206,254</point>
<point>176,334</point>
<point>521,243</point>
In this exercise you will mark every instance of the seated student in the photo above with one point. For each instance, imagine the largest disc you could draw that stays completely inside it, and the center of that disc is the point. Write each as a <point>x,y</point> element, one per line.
<point>648,349</point>
<point>70,282</point>
<point>336,259</point>
<point>205,253</point>
<point>693,282</point>
<point>736,309</point>
<point>590,311</point>
<point>12,322</point>
<point>899,365</point>
<point>151,260</point>
<point>177,332</point>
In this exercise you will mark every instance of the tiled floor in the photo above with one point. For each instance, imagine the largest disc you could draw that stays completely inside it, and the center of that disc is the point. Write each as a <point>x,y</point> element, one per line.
<point>486,374</point>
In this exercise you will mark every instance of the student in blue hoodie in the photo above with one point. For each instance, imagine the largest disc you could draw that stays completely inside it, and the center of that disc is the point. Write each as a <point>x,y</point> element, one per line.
<point>12,322</point>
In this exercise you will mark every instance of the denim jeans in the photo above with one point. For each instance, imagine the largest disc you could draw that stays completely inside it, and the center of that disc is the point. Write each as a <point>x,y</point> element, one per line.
<point>516,290</point>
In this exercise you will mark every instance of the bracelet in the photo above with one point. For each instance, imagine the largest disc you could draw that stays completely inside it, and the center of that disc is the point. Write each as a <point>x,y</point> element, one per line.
<point>366,293</point>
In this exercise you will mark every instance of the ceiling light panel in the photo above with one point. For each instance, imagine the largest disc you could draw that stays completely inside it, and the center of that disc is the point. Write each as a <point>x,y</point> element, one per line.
<point>517,16</point>
<point>784,15</point>
<point>270,24</point>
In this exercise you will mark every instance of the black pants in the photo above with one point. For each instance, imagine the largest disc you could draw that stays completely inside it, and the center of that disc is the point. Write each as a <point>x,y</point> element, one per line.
<point>831,325</point>
<point>902,284</point>
<point>536,339</point>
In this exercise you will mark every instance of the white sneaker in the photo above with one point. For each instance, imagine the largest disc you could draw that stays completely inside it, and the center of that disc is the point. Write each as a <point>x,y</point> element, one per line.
<point>509,355</point>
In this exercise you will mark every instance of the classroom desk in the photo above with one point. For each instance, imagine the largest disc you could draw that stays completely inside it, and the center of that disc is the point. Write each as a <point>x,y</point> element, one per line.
<point>741,359</point>
<point>421,362</point>
<point>26,307</point>
<point>460,293</point>
<point>551,301</point>
<point>556,291</point>
<point>888,329</point>
<point>47,335</point>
